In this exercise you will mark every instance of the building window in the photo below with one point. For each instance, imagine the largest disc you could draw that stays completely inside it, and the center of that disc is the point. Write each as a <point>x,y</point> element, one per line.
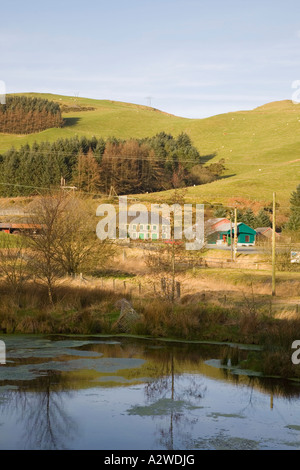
<point>141,227</point>
<point>154,227</point>
<point>134,227</point>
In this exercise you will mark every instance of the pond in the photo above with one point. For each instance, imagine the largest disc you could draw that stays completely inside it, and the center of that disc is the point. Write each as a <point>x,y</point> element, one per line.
<point>125,393</point>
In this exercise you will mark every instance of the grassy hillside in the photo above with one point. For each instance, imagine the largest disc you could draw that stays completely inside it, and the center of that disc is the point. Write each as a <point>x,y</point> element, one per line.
<point>261,147</point>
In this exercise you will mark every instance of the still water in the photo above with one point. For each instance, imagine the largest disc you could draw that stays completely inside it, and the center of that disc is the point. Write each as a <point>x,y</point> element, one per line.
<point>70,392</point>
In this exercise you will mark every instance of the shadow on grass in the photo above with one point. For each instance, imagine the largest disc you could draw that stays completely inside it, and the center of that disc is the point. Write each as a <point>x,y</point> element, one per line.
<point>71,121</point>
<point>223,177</point>
<point>205,158</point>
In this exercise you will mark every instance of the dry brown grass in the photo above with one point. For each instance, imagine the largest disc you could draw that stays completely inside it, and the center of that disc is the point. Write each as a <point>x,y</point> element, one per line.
<point>215,283</point>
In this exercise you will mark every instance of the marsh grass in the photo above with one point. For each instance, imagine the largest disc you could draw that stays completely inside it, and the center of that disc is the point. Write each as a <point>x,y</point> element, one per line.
<point>76,309</point>
<point>192,321</point>
<point>89,309</point>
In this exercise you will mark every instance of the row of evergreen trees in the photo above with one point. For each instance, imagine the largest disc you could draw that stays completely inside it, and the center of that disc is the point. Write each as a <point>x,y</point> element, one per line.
<point>247,216</point>
<point>25,115</point>
<point>294,220</point>
<point>264,218</point>
<point>95,165</point>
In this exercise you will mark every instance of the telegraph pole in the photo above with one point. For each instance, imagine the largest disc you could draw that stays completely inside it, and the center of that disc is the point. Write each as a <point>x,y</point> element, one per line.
<point>231,241</point>
<point>274,247</point>
<point>235,233</point>
<point>149,100</point>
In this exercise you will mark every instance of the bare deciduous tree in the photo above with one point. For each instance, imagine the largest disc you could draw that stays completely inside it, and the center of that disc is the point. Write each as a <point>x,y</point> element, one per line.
<point>13,262</point>
<point>78,249</point>
<point>66,242</point>
<point>47,212</point>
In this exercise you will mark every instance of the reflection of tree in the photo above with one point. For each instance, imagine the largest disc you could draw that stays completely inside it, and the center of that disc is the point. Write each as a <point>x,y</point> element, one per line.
<point>46,423</point>
<point>180,390</point>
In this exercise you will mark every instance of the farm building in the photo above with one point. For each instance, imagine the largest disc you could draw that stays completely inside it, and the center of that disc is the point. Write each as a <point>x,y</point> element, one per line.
<point>224,233</point>
<point>16,228</point>
<point>265,234</point>
<point>217,221</point>
<point>146,230</point>
<point>213,224</point>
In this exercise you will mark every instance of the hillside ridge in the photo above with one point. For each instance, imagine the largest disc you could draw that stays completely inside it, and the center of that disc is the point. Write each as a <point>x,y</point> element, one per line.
<point>260,147</point>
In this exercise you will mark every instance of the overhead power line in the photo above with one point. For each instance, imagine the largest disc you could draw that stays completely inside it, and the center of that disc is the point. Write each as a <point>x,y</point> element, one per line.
<point>134,197</point>
<point>159,158</point>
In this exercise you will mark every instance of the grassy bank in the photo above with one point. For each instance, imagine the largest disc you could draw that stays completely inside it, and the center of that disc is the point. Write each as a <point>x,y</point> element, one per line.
<point>90,310</point>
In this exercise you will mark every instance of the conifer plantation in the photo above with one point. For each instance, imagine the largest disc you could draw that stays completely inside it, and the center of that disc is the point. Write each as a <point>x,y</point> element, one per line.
<point>24,115</point>
<point>94,165</point>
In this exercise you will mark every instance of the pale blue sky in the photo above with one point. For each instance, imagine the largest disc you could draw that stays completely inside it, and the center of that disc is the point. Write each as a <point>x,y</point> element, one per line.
<point>194,58</point>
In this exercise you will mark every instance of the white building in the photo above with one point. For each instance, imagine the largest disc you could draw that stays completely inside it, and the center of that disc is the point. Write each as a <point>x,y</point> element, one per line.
<point>146,230</point>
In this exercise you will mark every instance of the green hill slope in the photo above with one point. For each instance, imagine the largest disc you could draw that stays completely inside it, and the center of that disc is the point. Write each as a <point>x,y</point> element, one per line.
<point>261,147</point>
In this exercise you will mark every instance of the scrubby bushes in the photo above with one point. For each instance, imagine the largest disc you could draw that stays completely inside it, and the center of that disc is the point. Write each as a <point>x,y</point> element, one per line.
<point>75,309</point>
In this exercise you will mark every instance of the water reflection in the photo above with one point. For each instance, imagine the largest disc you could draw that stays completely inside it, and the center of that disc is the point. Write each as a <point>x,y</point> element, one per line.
<point>42,412</point>
<point>177,387</point>
<point>171,385</point>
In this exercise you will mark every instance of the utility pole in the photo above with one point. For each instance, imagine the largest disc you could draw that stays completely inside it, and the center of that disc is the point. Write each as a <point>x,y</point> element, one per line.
<point>274,247</point>
<point>235,233</point>
<point>149,100</point>
<point>231,244</point>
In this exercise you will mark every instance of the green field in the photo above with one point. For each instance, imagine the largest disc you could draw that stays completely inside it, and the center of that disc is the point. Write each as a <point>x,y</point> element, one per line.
<point>261,148</point>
